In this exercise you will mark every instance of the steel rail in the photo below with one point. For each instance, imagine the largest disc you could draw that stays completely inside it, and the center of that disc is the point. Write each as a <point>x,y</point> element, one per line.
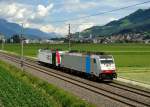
<point>85,85</point>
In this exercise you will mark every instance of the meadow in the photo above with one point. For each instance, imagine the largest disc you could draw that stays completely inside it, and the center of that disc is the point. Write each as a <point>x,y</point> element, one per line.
<point>127,56</point>
<point>19,89</point>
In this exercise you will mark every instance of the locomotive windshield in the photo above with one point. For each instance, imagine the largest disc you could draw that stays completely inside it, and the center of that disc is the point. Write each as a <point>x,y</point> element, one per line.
<point>106,61</point>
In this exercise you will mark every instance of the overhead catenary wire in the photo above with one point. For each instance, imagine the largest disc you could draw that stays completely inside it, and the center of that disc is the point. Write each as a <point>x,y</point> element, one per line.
<point>100,13</point>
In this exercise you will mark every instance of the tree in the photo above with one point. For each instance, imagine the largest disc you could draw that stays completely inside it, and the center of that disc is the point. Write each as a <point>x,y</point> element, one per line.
<point>14,39</point>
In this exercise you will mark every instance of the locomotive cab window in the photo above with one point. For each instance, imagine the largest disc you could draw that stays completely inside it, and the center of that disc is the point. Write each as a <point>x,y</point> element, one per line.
<point>94,60</point>
<point>107,62</point>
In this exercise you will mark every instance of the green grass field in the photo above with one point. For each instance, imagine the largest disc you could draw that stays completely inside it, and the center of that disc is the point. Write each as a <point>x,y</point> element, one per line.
<point>141,74</point>
<point>19,89</point>
<point>126,55</point>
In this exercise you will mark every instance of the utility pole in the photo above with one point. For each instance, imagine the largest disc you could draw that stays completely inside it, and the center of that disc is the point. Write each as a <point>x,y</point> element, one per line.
<point>69,36</point>
<point>22,53</point>
<point>2,40</point>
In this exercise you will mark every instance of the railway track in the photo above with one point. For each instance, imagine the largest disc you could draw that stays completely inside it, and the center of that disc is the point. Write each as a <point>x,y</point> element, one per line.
<point>115,91</point>
<point>131,89</point>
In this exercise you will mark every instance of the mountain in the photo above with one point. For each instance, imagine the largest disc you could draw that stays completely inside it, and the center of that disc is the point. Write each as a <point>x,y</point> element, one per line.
<point>8,29</point>
<point>139,21</point>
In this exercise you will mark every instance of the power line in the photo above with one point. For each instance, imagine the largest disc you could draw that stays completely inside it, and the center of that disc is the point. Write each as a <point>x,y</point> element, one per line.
<point>65,20</point>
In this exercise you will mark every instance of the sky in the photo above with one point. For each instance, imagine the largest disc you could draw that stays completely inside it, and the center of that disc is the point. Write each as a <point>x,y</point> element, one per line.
<point>46,14</point>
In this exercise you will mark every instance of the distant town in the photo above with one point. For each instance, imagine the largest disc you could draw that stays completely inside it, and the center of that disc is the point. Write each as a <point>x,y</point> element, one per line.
<point>120,38</point>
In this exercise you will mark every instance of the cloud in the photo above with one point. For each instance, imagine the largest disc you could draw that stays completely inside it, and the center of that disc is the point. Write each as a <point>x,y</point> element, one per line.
<point>47,28</point>
<point>11,10</point>
<point>14,11</point>
<point>19,11</point>
<point>85,26</point>
<point>75,6</point>
<point>22,13</point>
<point>43,11</point>
<point>62,29</point>
<point>112,19</point>
<point>40,13</point>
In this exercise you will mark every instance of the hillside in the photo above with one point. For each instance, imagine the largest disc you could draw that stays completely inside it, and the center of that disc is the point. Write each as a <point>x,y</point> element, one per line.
<point>8,29</point>
<point>139,21</point>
